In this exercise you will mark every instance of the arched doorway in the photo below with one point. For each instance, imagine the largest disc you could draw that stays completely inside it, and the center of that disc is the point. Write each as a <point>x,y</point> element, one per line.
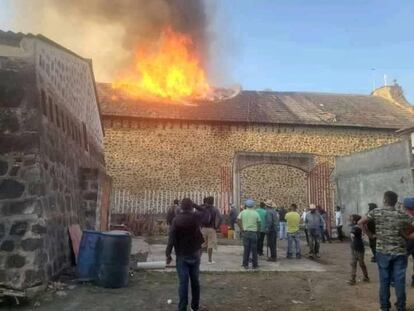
<point>242,160</point>
<point>282,184</point>
<point>318,183</point>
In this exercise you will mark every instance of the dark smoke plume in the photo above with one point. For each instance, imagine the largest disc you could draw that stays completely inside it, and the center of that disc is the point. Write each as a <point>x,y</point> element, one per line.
<point>142,19</point>
<point>109,30</point>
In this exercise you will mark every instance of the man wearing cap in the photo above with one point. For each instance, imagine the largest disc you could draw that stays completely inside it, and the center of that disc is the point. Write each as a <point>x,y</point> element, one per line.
<point>249,222</point>
<point>313,223</point>
<point>391,256</point>
<point>271,227</point>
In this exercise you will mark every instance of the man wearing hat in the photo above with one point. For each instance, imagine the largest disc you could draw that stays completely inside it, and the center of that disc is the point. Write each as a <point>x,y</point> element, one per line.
<point>271,227</point>
<point>313,222</point>
<point>249,223</point>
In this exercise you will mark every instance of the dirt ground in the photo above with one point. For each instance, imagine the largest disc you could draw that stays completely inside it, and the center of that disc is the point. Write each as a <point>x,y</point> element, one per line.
<point>297,291</point>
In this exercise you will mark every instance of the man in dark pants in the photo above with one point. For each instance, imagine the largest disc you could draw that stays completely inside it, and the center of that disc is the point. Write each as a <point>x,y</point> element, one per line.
<point>372,237</point>
<point>313,223</point>
<point>249,223</point>
<point>391,253</point>
<point>261,210</point>
<point>339,223</point>
<point>272,228</point>
<point>186,238</point>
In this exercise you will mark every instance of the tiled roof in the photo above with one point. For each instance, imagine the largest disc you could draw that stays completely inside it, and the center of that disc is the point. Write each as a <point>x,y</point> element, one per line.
<point>268,107</point>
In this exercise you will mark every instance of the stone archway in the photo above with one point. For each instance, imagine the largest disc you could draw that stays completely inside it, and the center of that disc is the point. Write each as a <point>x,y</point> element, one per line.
<point>242,160</point>
<point>282,184</point>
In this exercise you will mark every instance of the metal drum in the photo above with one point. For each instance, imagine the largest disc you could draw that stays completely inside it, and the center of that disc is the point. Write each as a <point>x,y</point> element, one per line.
<point>86,267</point>
<point>113,251</point>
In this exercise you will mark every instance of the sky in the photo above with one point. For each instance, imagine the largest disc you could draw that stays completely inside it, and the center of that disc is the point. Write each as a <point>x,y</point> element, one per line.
<point>319,45</point>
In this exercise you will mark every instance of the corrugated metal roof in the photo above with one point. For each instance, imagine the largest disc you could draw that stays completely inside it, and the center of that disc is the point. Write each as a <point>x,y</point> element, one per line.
<point>268,107</point>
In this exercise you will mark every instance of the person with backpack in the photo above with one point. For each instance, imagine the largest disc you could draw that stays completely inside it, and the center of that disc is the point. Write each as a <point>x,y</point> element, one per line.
<point>173,211</point>
<point>210,221</point>
<point>271,228</point>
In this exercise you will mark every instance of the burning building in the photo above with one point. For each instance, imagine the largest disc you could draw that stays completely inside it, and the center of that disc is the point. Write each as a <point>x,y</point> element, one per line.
<point>277,145</point>
<point>52,166</point>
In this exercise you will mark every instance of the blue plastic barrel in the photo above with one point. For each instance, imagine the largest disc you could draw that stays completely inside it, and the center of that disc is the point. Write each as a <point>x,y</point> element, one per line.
<point>114,249</point>
<point>86,267</point>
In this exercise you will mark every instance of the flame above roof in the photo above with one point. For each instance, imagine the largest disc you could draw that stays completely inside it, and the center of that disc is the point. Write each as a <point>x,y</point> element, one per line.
<point>296,108</point>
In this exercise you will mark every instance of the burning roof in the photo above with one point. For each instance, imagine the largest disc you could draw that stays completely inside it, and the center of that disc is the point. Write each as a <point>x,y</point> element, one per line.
<point>298,108</point>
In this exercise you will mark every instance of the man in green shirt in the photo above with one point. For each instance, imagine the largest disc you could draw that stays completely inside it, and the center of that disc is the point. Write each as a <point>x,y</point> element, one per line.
<point>249,223</point>
<point>293,220</point>
<point>262,231</point>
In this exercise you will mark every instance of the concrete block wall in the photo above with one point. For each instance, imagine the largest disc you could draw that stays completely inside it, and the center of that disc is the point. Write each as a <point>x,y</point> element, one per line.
<point>363,177</point>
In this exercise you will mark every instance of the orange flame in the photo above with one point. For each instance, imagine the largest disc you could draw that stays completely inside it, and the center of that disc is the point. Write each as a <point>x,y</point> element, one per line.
<point>170,70</point>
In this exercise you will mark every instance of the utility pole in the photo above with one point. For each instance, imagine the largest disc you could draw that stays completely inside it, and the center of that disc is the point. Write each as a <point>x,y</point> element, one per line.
<point>373,79</point>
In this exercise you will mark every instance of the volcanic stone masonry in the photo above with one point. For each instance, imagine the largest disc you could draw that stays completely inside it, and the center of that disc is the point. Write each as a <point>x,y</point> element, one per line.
<point>188,156</point>
<point>51,156</point>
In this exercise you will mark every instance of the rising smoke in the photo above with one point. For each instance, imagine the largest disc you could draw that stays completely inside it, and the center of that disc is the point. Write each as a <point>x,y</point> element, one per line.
<point>108,30</point>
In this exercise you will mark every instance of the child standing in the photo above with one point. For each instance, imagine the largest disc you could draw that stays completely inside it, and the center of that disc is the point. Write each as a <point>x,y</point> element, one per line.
<point>357,250</point>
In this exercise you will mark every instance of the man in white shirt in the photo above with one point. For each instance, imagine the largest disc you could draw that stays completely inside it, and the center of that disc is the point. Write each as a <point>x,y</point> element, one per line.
<point>305,212</point>
<point>339,223</point>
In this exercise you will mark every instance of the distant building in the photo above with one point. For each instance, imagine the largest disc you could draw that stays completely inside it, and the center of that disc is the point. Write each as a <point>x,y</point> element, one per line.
<point>52,166</point>
<point>363,177</point>
<point>265,145</point>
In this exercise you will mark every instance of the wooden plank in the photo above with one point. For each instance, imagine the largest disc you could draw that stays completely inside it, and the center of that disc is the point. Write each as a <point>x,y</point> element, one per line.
<point>75,234</point>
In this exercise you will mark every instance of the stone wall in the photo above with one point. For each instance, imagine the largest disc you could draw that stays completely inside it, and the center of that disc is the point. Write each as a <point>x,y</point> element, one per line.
<point>21,208</point>
<point>72,82</point>
<point>48,172</point>
<point>267,181</point>
<point>189,156</point>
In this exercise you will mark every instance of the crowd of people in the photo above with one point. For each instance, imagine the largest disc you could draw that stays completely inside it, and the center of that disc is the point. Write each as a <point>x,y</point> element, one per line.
<point>390,231</point>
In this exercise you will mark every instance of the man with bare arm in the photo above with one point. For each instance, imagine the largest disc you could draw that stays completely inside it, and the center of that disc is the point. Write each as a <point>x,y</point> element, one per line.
<point>391,255</point>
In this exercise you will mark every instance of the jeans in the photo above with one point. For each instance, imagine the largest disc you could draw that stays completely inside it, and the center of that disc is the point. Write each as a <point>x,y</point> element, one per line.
<point>358,257</point>
<point>373,246</point>
<point>340,233</point>
<point>271,243</point>
<point>188,268</point>
<point>293,237</point>
<point>250,246</point>
<point>325,235</point>
<point>282,230</point>
<point>260,241</point>
<point>307,236</point>
<point>315,237</point>
<point>392,267</point>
